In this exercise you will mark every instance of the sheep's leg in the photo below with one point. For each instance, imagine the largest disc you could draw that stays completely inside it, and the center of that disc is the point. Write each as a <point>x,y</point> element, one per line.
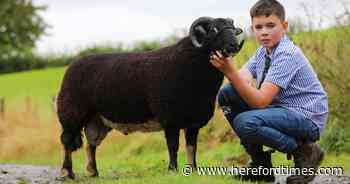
<point>91,168</point>
<point>191,135</point>
<point>67,171</point>
<point>71,141</point>
<point>95,132</point>
<point>172,139</point>
<point>72,117</point>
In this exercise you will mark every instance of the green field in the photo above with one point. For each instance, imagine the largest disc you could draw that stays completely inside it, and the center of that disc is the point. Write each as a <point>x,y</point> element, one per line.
<point>29,133</point>
<point>38,87</point>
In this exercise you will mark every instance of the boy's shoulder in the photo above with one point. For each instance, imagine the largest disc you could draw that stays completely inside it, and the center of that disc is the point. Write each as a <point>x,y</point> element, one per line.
<point>286,47</point>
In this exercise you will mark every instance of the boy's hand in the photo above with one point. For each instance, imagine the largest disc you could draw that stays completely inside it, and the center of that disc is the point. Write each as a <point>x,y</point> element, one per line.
<point>221,63</point>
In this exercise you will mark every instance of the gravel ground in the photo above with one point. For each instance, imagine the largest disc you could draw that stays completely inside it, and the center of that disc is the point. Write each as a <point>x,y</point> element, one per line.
<point>322,179</point>
<point>27,174</point>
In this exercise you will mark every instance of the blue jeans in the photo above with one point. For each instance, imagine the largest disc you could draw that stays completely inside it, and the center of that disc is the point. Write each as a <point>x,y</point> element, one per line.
<point>275,127</point>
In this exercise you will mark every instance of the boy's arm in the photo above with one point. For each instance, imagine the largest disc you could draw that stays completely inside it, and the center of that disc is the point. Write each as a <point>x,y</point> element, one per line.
<point>255,98</point>
<point>246,75</point>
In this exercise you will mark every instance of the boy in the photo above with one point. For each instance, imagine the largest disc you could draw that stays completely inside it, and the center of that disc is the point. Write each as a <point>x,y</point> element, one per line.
<point>288,109</point>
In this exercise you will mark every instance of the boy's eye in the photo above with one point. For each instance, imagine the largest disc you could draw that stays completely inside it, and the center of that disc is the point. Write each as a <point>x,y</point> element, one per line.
<point>270,25</point>
<point>258,27</point>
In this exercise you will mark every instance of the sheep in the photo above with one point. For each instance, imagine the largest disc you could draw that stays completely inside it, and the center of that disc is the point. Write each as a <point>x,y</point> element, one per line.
<point>169,89</point>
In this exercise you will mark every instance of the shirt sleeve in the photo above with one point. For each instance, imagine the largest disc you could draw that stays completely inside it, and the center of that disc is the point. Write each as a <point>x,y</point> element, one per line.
<point>251,66</point>
<point>283,69</point>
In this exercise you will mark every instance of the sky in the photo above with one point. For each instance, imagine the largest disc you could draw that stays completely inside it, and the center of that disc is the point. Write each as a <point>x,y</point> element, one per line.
<point>75,25</point>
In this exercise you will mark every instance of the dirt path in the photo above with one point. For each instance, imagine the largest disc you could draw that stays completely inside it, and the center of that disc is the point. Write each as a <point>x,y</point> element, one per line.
<point>27,174</point>
<point>323,179</point>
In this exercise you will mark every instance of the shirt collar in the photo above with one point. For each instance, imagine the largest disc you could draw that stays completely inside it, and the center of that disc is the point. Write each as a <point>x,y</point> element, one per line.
<point>283,39</point>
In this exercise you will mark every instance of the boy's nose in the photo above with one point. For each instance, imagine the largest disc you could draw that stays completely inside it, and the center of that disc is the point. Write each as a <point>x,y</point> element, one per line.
<point>265,31</point>
<point>264,34</point>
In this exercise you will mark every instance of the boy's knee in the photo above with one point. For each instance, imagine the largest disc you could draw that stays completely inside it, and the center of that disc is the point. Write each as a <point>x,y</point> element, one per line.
<point>226,95</point>
<point>245,125</point>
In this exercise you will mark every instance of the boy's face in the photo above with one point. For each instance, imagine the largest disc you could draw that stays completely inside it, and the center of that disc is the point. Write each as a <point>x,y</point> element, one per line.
<point>269,30</point>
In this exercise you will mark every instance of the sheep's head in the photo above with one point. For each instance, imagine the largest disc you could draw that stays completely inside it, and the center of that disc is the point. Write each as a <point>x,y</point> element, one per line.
<point>216,34</point>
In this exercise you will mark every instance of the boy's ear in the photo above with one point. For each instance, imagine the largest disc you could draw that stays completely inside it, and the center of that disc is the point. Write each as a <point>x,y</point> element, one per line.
<point>285,25</point>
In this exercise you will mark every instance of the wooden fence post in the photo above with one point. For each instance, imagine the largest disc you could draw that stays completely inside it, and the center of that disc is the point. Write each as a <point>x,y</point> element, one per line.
<point>54,105</point>
<point>28,103</point>
<point>2,107</point>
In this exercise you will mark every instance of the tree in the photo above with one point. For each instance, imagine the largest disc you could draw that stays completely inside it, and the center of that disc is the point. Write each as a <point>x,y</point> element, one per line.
<point>20,27</point>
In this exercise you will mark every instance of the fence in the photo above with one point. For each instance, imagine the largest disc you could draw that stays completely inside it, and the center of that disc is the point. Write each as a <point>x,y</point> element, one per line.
<point>2,107</point>
<point>29,105</point>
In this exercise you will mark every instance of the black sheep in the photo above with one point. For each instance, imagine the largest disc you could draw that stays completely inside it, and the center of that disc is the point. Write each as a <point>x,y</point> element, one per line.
<point>168,89</point>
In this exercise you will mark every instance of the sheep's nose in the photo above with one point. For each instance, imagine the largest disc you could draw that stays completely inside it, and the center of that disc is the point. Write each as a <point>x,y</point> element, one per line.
<point>231,47</point>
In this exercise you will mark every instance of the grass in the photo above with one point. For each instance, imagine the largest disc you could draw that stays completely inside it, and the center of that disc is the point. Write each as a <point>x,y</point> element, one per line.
<point>27,139</point>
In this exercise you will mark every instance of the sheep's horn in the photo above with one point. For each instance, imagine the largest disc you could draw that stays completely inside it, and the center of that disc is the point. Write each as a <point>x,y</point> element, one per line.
<point>201,29</point>
<point>198,32</point>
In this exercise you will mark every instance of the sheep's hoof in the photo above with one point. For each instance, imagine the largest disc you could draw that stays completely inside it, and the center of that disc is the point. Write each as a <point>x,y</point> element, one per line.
<point>91,173</point>
<point>66,174</point>
<point>172,169</point>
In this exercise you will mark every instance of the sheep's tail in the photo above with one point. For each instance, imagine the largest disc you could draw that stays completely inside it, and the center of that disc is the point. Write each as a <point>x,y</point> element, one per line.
<point>72,125</point>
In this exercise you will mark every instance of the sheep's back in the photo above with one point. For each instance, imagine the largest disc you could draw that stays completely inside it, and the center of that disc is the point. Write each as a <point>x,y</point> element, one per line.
<point>111,84</point>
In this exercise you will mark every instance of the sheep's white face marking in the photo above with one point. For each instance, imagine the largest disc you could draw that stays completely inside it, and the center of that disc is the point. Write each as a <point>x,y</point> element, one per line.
<point>129,127</point>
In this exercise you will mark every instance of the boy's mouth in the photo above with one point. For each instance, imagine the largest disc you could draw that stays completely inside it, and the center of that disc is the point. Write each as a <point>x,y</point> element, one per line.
<point>265,41</point>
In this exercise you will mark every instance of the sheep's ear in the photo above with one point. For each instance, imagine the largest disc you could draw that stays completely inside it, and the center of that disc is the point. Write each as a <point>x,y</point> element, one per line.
<point>198,31</point>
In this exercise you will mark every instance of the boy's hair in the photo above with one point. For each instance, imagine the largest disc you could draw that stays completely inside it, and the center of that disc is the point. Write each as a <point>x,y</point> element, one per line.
<point>267,8</point>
